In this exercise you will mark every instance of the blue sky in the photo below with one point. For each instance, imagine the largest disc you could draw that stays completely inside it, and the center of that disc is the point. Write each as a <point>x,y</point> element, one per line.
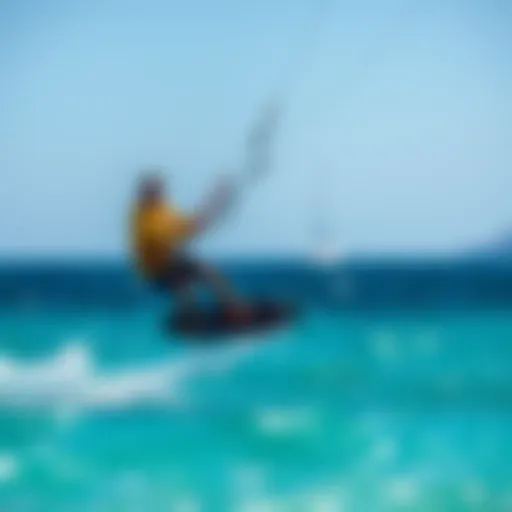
<point>396,133</point>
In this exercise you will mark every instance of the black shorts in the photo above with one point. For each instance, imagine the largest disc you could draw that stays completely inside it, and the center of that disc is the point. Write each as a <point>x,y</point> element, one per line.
<point>180,271</point>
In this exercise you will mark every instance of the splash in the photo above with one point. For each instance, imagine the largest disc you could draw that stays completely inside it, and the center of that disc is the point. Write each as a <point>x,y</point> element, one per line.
<point>72,380</point>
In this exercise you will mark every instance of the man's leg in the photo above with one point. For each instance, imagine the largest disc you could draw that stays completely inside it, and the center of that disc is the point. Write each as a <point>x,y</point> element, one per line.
<point>185,298</point>
<point>223,292</point>
<point>177,280</point>
<point>218,285</point>
<point>186,273</point>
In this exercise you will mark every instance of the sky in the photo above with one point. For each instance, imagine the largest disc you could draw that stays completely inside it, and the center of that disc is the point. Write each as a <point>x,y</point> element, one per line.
<point>395,135</point>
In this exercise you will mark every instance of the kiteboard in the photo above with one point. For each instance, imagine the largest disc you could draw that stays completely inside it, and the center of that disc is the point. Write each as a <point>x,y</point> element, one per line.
<point>214,321</point>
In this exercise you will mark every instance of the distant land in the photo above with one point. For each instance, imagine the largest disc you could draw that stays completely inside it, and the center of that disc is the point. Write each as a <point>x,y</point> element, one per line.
<point>498,248</point>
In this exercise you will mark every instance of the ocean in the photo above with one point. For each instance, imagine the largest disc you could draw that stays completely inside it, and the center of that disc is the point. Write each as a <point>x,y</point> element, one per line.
<point>391,392</point>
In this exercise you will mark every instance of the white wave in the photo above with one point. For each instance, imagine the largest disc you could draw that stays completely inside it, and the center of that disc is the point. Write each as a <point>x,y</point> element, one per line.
<point>474,493</point>
<point>317,497</point>
<point>286,421</point>
<point>9,467</point>
<point>384,451</point>
<point>403,490</point>
<point>385,345</point>
<point>70,380</point>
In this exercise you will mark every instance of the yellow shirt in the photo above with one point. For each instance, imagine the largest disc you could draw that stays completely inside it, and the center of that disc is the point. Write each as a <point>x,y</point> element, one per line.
<point>157,230</point>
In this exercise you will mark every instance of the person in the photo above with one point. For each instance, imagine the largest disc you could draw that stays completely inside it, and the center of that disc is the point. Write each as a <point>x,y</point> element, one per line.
<point>160,233</point>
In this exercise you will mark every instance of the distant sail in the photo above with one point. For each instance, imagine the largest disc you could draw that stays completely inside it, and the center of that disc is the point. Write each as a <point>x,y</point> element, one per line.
<point>326,254</point>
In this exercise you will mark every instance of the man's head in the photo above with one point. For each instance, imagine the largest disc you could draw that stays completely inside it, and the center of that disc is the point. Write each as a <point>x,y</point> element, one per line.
<point>151,187</point>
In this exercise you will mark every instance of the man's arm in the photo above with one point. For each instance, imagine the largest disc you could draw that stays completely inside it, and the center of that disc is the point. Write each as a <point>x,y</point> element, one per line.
<point>214,207</point>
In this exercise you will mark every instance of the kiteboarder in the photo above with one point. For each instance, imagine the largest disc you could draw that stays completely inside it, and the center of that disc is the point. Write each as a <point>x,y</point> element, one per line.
<point>160,233</point>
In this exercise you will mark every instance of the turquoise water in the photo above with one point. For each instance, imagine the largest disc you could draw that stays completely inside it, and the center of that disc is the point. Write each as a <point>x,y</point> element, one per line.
<point>99,411</point>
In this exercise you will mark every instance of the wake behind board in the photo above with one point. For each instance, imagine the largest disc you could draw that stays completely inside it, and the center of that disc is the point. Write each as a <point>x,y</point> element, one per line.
<point>214,321</point>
